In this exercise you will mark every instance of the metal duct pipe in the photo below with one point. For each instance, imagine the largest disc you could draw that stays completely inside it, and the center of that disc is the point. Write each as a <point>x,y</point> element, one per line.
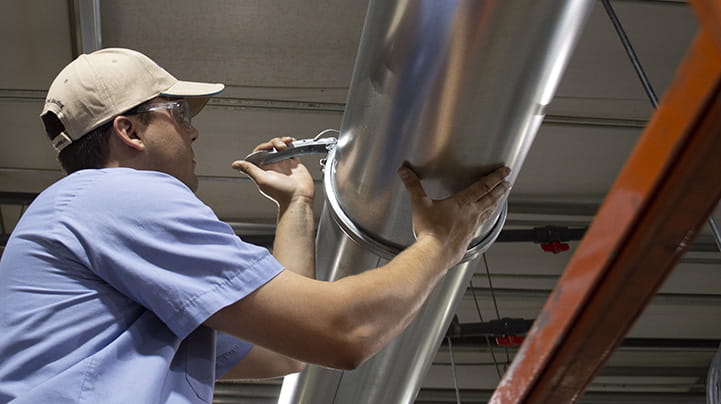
<point>456,88</point>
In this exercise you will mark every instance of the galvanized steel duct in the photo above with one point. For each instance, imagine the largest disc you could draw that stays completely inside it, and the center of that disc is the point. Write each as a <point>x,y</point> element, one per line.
<point>455,88</point>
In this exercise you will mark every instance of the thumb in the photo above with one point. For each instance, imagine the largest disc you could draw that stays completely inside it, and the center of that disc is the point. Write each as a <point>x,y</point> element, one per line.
<point>248,168</point>
<point>413,184</point>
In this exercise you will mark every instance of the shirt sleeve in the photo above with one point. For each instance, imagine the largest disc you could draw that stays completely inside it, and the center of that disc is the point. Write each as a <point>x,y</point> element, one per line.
<point>229,351</point>
<point>152,239</point>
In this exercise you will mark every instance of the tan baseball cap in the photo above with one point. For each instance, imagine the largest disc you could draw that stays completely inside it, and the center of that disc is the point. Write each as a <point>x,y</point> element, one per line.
<point>96,87</point>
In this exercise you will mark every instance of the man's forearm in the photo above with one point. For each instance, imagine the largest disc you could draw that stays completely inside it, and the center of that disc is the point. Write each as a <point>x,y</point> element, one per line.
<point>294,245</point>
<point>386,299</point>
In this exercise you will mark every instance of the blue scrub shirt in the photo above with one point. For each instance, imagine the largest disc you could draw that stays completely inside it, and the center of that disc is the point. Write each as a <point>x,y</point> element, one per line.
<point>105,284</point>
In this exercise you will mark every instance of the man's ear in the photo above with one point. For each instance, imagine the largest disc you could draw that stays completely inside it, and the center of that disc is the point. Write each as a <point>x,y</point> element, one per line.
<point>126,130</point>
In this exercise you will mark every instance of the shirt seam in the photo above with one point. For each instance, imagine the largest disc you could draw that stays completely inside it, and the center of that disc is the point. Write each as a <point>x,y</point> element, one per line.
<point>227,281</point>
<point>85,385</point>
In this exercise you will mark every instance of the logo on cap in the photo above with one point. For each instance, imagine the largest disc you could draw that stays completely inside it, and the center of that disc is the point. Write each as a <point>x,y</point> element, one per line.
<point>56,102</point>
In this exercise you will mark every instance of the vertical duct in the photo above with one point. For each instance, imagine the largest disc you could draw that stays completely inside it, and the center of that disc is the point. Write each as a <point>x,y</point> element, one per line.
<point>456,88</point>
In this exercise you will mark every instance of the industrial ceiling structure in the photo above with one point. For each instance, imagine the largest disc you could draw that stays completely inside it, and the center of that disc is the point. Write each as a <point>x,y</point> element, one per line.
<point>287,68</point>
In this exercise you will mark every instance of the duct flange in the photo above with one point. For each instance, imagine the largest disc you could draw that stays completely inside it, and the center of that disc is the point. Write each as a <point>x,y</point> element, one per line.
<point>384,248</point>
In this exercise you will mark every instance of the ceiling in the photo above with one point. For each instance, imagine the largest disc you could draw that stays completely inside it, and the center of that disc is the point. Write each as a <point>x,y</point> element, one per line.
<point>287,68</point>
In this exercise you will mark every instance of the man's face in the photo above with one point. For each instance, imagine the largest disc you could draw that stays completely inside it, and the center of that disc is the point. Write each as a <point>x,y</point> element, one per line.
<point>169,141</point>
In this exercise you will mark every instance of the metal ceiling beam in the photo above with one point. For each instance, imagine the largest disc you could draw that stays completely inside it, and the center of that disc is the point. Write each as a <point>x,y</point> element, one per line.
<point>268,104</point>
<point>85,26</point>
<point>659,202</point>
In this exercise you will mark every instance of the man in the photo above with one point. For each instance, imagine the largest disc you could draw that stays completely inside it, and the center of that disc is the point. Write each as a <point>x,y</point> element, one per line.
<point>119,285</point>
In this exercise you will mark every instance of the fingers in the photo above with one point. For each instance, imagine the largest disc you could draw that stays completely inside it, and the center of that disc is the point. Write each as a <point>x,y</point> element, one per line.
<point>248,168</point>
<point>492,184</point>
<point>277,143</point>
<point>492,187</point>
<point>491,199</point>
<point>412,184</point>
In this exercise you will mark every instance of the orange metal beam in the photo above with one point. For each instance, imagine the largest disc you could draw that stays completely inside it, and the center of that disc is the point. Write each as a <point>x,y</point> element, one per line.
<point>709,13</point>
<point>662,197</point>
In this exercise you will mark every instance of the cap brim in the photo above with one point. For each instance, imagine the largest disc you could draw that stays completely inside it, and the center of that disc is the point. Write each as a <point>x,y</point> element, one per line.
<point>196,93</point>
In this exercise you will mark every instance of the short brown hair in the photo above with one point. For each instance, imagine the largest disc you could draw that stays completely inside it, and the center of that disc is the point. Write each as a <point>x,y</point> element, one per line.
<point>92,149</point>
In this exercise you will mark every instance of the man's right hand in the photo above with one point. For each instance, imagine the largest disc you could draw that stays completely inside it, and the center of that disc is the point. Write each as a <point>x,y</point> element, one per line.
<point>282,181</point>
<point>454,220</point>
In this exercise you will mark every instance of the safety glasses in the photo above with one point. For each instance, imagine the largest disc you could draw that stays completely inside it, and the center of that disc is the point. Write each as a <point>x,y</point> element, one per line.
<point>180,110</point>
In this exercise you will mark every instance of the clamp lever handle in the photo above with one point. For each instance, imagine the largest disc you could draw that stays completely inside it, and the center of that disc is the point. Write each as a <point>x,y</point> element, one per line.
<point>297,148</point>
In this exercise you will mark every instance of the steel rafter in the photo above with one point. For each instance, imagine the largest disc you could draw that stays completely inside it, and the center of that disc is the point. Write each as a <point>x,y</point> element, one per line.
<point>85,26</point>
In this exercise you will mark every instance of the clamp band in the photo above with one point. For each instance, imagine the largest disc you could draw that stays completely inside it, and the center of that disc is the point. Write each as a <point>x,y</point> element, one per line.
<point>384,248</point>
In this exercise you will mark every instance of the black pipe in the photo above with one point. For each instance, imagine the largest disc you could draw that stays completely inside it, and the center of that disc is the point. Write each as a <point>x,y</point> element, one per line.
<point>545,234</point>
<point>494,328</point>
<point>476,334</point>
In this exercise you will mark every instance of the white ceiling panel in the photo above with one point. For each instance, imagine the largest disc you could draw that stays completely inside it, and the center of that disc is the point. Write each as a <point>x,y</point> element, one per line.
<point>36,42</point>
<point>309,44</point>
<point>24,143</point>
<point>600,73</point>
